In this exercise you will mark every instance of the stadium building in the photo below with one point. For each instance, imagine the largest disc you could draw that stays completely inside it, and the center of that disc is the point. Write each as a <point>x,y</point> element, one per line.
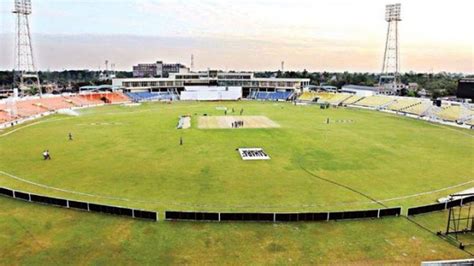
<point>213,85</point>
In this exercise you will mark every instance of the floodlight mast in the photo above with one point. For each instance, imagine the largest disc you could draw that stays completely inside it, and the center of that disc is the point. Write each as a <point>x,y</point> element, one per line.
<point>391,60</point>
<point>25,71</point>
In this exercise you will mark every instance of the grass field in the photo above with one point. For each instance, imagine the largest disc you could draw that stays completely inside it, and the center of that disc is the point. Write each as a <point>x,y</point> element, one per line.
<point>130,156</point>
<point>34,234</point>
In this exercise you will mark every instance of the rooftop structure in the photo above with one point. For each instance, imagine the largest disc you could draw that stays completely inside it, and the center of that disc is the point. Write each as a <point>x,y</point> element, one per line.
<point>158,69</point>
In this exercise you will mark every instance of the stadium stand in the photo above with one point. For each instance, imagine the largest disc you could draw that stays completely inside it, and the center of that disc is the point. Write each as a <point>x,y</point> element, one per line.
<point>402,103</point>
<point>54,103</point>
<point>450,113</point>
<point>151,96</point>
<point>273,96</point>
<point>93,98</point>
<point>77,101</point>
<point>352,99</point>
<point>30,107</point>
<point>333,98</point>
<point>470,122</point>
<point>116,97</point>
<point>375,101</point>
<point>308,96</point>
<point>5,117</point>
<point>100,98</point>
<point>418,109</point>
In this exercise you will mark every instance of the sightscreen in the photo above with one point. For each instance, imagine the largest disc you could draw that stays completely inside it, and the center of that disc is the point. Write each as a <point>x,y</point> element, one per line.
<point>466,89</point>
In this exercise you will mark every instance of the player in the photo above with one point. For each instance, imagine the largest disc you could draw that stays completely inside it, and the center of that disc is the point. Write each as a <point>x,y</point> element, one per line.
<point>46,155</point>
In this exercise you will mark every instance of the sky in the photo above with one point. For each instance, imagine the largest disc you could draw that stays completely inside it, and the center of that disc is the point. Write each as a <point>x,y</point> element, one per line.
<point>336,35</point>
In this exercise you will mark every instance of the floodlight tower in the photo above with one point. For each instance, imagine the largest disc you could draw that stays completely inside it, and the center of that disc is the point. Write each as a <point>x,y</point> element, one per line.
<point>25,71</point>
<point>391,60</point>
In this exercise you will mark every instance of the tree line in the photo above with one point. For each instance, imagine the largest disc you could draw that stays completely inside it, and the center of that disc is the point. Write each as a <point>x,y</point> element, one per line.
<point>438,85</point>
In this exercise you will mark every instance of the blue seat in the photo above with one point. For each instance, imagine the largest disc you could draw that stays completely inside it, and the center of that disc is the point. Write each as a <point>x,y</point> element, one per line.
<point>150,96</point>
<point>274,96</point>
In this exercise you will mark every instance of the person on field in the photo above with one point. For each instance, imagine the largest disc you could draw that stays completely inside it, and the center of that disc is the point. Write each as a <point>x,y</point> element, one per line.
<point>46,155</point>
<point>181,141</point>
<point>70,136</point>
<point>241,111</point>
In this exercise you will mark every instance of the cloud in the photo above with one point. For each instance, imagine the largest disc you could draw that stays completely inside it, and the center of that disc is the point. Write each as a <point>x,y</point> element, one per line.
<point>246,34</point>
<point>90,51</point>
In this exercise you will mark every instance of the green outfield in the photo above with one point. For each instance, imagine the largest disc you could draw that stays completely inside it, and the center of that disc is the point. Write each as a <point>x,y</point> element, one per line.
<point>131,156</point>
<point>41,235</point>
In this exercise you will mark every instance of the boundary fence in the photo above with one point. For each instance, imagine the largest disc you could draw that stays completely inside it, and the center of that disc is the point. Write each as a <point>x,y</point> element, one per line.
<point>281,217</point>
<point>79,205</point>
<point>227,216</point>
<point>439,206</point>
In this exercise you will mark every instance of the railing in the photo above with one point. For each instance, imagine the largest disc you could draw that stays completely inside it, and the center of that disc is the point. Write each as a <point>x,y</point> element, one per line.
<point>439,206</point>
<point>281,217</point>
<point>79,205</point>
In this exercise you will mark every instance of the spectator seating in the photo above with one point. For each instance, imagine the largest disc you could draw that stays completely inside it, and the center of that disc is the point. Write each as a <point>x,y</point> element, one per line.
<point>116,97</point>
<point>450,113</point>
<point>470,117</point>
<point>333,98</point>
<point>308,96</point>
<point>418,109</point>
<point>54,103</point>
<point>402,103</point>
<point>28,107</point>
<point>375,101</point>
<point>325,96</point>
<point>77,101</point>
<point>352,99</point>
<point>93,98</point>
<point>4,116</point>
<point>108,97</point>
<point>151,96</point>
<point>273,96</point>
<point>470,122</point>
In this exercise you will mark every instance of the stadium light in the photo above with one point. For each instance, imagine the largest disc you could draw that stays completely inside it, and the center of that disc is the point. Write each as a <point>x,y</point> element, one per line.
<point>393,12</point>
<point>22,7</point>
